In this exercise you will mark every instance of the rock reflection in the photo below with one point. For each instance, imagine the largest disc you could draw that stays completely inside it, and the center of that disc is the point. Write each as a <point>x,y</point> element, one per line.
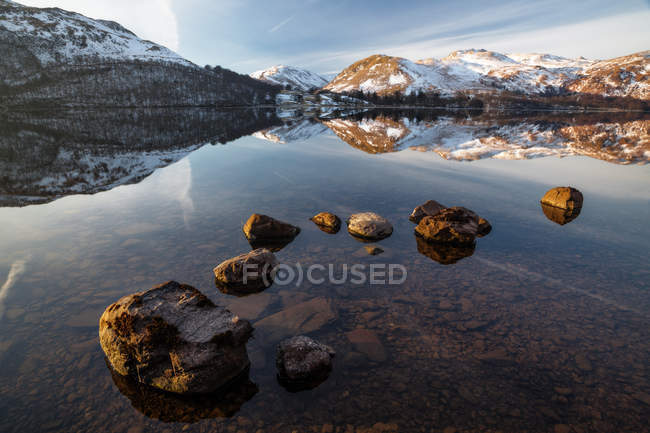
<point>444,253</point>
<point>274,245</point>
<point>168,407</point>
<point>560,216</point>
<point>241,291</point>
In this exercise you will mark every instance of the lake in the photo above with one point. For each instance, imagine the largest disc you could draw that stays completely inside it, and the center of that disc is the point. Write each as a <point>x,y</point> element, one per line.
<point>541,326</point>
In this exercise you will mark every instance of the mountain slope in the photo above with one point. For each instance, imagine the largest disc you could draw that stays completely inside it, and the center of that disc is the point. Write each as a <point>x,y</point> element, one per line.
<point>54,57</point>
<point>296,78</point>
<point>482,70</point>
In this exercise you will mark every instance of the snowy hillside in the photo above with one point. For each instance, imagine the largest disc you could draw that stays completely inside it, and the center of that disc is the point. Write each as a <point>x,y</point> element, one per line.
<point>54,35</point>
<point>482,70</point>
<point>296,78</point>
<point>290,132</point>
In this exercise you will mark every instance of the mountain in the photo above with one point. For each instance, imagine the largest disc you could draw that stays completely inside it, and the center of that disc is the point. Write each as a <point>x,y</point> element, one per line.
<point>296,78</point>
<point>44,156</point>
<point>54,57</point>
<point>303,129</point>
<point>489,71</point>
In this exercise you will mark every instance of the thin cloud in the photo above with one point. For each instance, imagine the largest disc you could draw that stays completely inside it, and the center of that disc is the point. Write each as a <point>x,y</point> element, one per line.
<point>282,24</point>
<point>17,268</point>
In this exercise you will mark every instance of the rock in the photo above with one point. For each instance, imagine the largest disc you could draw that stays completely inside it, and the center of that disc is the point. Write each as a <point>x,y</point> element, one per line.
<point>563,197</point>
<point>583,362</point>
<point>456,225</point>
<point>484,227</point>
<point>367,342</point>
<point>246,273</point>
<point>373,250</point>
<point>174,338</point>
<point>561,428</point>
<point>250,307</point>
<point>430,208</point>
<point>369,226</point>
<point>560,216</point>
<point>303,363</point>
<point>327,222</point>
<point>265,232</point>
<point>444,253</point>
<point>301,318</point>
<point>169,407</point>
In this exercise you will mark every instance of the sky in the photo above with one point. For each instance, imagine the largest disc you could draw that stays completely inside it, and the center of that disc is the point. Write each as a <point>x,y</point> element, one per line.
<point>325,36</point>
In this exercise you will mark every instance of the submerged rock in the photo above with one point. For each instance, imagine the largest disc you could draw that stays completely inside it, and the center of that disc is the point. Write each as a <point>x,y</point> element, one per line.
<point>564,197</point>
<point>454,225</point>
<point>430,208</point>
<point>444,253</point>
<point>327,222</point>
<point>558,215</point>
<point>174,338</point>
<point>301,318</point>
<point>169,407</point>
<point>373,250</point>
<point>247,273</point>
<point>366,341</point>
<point>303,363</point>
<point>369,226</point>
<point>262,231</point>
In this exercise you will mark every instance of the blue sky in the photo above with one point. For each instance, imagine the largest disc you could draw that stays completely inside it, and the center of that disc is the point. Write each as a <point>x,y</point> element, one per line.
<point>327,35</point>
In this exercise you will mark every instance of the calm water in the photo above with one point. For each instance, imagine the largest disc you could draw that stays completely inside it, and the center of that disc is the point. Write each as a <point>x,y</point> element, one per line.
<point>543,326</point>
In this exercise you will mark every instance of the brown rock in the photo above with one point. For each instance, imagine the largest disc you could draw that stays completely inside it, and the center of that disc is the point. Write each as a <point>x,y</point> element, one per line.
<point>327,222</point>
<point>564,197</point>
<point>373,250</point>
<point>302,318</point>
<point>367,342</point>
<point>262,231</point>
<point>484,227</point>
<point>453,225</point>
<point>303,363</point>
<point>246,273</point>
<point>174,338</point>
<point>369,226</point>
<point>430,208</point>
<point>559,215</point>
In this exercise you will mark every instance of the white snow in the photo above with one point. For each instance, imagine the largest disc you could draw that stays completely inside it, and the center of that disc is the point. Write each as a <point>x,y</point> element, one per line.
<point>299,79</point>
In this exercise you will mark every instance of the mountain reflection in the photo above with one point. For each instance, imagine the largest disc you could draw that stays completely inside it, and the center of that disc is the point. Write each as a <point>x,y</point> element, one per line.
<point>44,156</point>
<point>621,138</point>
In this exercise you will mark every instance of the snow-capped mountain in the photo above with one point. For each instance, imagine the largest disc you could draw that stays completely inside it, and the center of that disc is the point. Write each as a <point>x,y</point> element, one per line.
<point>482,70</point>
<point>296,78</point>
<point>52,57</point>
<point>56,36</point>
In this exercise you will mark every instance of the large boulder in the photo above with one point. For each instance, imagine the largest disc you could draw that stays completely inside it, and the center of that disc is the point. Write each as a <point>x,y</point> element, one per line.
<point>369,226</point>
<point>564,197</point>
<point>172,337</point>
<point>247,273</point>
<point>327,222</point>
<point>430,208</point>
<point>453,225</point>
<point>303,363</point>
<point>262,231</point>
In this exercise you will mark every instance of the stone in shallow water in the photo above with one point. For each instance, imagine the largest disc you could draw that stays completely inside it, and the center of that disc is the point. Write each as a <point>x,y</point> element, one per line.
<point>366,341</point>
<point>563,197</point>
<point>484,227</point>
<point>453,225</point>
<point>327,222</point>
<point>373,250</point>
<point>369,226</point>
<point>430,208</point>
<point>170,407</point>
<point>560,216</point>
<point>174,338</point>
<point>303,363</point>
<point>263,231</point>
<point>301,318</point>
<point>247,273</point>
<point>444,253</point>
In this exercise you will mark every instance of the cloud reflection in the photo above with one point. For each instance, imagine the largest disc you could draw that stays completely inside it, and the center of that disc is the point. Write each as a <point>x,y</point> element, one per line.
<point>16,270</point>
